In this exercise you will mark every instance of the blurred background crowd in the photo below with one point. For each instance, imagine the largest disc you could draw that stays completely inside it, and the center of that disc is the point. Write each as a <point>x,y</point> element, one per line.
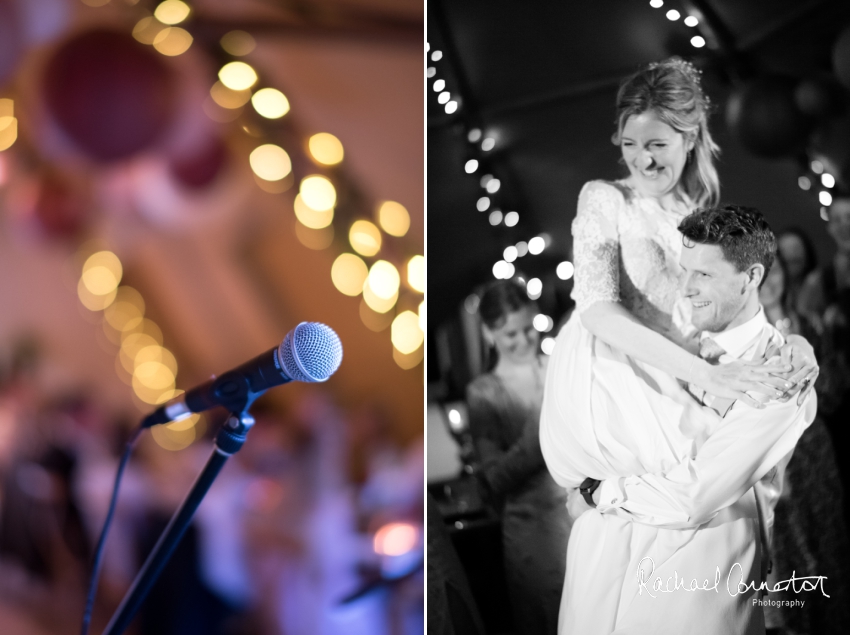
<point>181,183</point>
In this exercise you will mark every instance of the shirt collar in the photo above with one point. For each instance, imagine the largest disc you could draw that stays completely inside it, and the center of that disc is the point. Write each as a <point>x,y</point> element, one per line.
<point>737,340</point>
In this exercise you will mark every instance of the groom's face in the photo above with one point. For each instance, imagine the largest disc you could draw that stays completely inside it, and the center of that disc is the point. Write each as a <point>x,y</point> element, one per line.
<point>715,288</point>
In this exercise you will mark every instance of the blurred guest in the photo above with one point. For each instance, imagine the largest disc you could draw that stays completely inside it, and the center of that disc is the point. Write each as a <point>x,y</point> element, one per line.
<point>809,531</point>
<point>504,412</point>
<point>829,285</point>
<point>798,252</point>
<point>825,298</point>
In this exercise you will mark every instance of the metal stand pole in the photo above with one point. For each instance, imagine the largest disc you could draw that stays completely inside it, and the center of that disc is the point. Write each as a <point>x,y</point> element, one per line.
<point>229,440</point>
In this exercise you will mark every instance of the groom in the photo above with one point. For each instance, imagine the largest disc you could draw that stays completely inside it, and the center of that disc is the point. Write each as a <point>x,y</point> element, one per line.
<point>703,576</point>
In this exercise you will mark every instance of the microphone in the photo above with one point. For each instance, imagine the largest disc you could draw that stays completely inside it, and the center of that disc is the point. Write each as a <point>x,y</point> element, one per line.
<point>310,352</point>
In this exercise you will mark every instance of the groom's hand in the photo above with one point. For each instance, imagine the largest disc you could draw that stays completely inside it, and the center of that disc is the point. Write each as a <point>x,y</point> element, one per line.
<point>576,505</point>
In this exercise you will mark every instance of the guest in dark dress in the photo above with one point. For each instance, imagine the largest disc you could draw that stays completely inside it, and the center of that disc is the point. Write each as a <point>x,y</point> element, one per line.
<point>504,411</point>
<point>809,533</point>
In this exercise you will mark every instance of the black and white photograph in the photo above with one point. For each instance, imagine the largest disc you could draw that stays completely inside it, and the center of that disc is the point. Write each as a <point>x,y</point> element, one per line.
<point>638,338</point>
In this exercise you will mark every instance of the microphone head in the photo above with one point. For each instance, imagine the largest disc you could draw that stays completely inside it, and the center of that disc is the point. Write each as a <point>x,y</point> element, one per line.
<point>310,352</point>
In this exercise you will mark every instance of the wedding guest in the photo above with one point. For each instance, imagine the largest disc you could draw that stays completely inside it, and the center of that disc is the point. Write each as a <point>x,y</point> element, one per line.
<point>809,531</point>
<point>504,411</point>
<point>798,252</point>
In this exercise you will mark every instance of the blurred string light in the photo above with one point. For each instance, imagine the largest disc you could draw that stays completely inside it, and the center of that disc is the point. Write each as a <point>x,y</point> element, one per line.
<point>804,182</point>
<point>8,124</point>
<point>238,75</point>
<point>326,148</point>
<point>238,82</point>
<point>142,361</point>
<point>825,198</point>
<point>172,12</point>
<point>817,167</point>
<point>470,166</point>
<point>547,345</point>
<point>238,43</point>
<point>365,238</point>
<point>534,288</point>
<point>827,180</point>
<point>565,270</point>
<point>271,104</point>
<point>697,41</point>
<point>416,273</point>
<point>511,219</point>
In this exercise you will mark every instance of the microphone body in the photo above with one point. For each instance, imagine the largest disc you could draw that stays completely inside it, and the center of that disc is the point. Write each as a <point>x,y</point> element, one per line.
<point>311,352</point>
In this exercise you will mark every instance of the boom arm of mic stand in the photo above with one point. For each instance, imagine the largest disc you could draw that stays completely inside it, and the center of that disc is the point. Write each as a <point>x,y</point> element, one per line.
<point>229,440</point>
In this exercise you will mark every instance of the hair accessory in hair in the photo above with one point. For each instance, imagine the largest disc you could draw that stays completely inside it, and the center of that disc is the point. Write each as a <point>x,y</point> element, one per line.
<point>686,68</point>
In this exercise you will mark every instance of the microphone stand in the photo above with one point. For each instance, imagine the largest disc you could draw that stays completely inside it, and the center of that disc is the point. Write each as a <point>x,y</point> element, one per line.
<point>228,442</point>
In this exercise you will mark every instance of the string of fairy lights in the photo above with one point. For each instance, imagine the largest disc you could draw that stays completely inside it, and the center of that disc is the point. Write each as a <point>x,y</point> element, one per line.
<point>372,266</point>
<point>481,147</point>
<point>815,178</point>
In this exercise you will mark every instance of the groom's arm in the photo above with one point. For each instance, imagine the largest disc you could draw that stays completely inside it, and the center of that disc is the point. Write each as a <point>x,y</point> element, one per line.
<point>733,458</point>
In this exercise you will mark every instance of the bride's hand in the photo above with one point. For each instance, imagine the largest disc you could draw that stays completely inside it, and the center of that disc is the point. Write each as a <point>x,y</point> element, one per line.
<point>800,355</point>
<point>735,379</point>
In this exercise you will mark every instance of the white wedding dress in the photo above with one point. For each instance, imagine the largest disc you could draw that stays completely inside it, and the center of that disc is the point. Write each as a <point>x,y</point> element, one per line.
<point>606,415</point>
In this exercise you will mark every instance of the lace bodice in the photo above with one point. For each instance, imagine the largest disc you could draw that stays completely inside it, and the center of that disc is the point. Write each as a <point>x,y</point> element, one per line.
<point>627,250</point>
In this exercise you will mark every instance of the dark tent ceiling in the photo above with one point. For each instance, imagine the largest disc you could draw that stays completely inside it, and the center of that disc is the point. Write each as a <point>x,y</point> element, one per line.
<point>540,79</point>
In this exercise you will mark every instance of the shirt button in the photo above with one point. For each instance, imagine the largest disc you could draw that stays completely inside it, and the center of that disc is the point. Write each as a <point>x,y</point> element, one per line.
<point>613,501</point>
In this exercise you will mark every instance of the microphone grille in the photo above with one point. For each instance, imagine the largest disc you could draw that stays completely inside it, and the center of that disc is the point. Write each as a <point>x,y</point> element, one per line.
<point>310,352</point>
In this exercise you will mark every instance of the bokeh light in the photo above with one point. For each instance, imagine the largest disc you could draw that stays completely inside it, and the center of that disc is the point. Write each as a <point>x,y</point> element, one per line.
<point>91,301</point>
<point>349,274</point>
<point>534,288</point>
<point>8,131</point>
<point>365,238</point>
<point>228,98</point>
<point>393,218</point>
<point>270,103</point>
<point>147,29</point>
<point>309,217</point>
<point>318,192</point>
<point>316,239</point>
<point>172,12</point>
<point>383,279</point>
<point>547,345</point>
<point>373,320</point>
<point>237,76</point>
<point>406,335</point>
<point>238,43</point>
<point>270,162</point>
<point>172,41</point>
<point>376,303</point>
<point>416,273</point>
<point>565,270</point>
<point>102,273</point>
<point>326,148</point>
<point>536,245</point>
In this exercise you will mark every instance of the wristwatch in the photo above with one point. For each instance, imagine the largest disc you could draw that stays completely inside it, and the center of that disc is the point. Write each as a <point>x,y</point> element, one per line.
<point>587,487</point>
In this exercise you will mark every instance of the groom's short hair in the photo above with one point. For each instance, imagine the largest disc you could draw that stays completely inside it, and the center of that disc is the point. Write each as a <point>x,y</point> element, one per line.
<point>741,232</point>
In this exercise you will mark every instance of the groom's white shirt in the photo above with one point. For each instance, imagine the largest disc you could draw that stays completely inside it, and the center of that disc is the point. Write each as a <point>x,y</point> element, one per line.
<point>746,448</point>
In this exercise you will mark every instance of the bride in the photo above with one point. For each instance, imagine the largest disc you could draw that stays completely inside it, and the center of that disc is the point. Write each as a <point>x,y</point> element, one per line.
<point>611,387</point>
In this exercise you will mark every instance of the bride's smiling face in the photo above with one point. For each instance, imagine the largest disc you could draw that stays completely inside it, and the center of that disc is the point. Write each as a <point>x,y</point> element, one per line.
<point>655,154</point>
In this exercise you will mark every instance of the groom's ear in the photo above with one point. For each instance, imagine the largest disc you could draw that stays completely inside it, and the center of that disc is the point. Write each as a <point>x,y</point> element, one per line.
<point>755,275</point>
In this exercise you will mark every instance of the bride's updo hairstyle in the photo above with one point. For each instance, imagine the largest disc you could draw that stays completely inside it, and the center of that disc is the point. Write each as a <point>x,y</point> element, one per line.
<point>671,89</point>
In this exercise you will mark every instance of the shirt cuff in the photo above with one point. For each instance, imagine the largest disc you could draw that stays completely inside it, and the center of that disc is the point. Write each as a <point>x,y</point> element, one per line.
<point>611,494</point>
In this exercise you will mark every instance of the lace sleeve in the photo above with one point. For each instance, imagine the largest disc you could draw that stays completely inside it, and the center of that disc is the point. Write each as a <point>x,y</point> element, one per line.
<point>596,245</point>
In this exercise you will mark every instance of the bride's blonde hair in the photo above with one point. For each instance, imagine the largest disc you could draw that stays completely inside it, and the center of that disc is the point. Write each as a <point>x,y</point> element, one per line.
<point>671,89</point>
